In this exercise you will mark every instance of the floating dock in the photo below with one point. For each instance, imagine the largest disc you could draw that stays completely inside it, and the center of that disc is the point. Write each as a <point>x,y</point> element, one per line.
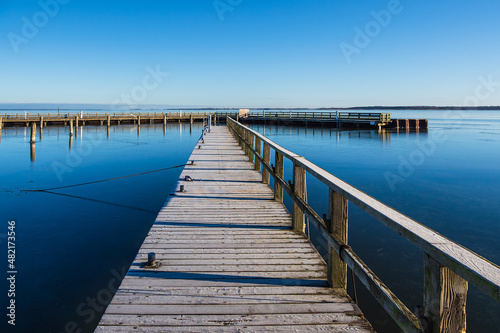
<point>230,260</point>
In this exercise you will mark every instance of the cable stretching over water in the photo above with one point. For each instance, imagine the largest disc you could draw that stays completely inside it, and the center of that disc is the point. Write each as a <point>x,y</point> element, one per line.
<point>105,180</point>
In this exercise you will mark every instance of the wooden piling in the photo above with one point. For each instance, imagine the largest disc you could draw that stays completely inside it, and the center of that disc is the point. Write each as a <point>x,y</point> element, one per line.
<point>191,119</point>
<point>299,189</point>
<point>76,123</point>
<point>337,226</point>
<point>1,123</point>
<point>32,152</point>
<point>33,132</point>
<point>109,121</point>
<point>139,120</point>
<point>41,122</point>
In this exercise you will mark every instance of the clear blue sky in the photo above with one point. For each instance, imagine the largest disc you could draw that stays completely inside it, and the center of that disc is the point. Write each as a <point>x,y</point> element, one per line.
<point>250,53</point>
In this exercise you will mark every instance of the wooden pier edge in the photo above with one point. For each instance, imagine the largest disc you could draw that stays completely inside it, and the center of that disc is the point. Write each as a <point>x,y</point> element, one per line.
<point>448,265</point>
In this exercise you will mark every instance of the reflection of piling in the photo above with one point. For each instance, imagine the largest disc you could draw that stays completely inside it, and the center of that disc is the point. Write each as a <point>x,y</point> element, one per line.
<point>165,129</point>
<point>32,152</point>
<point>33,133</point>
<point>138,131</point>
<point>71,127</point>
<point>41,133</point>
<point>70,142</point>
<point>107,131</point>
<point>0,135</point>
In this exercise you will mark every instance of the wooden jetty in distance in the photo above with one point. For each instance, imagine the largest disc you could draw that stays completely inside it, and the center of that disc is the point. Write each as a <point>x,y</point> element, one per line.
<point>225,255</point>
<point>107,119</point>
<point>345,120</point>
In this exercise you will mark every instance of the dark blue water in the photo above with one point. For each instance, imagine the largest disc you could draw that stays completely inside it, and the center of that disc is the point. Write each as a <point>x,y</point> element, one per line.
<point>447,178</point>
<point>73,247</point>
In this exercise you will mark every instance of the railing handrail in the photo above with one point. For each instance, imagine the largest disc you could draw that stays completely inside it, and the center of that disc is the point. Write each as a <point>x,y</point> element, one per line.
<point>472,267</point>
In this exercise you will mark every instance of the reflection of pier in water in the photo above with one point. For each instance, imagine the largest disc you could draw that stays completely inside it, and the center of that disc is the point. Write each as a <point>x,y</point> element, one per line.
<point>383,134</point>
<point>30,133</point>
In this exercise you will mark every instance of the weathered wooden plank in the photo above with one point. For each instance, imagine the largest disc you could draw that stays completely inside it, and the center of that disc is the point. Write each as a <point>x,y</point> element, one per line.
<point>235,291</point>
<point>361,328</point>
<point>236,309</point>
<point>231,320</point>
<point>138,298</point>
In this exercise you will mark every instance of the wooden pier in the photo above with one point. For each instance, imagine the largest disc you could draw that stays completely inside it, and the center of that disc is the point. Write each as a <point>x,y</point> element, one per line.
<point>107,119</point>
<point>346,120</point>
<point>230,260</point>
<point>233,259</point>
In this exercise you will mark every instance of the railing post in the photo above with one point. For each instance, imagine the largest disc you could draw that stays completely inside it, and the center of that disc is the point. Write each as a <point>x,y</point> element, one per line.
<point>337,225</point>
<point>445,297</point>
<point>299,189</point>
<point>278,172</point>
<point>251,141</point>
<point>258,147</point>
<point>267,160</point>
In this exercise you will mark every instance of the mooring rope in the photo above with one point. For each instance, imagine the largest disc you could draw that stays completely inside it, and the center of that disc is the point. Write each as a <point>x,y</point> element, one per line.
<point>104,180</point>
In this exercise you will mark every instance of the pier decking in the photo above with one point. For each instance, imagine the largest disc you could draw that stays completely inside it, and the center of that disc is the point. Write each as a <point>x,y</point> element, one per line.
<point>230,260</point>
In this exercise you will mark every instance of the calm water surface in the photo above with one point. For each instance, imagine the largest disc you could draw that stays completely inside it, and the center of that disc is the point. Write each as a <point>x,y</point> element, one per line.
<point>73,246</point>
<point>447,178</point>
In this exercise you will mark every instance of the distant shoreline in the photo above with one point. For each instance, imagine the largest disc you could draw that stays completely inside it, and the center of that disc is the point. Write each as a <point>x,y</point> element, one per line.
<point>158,108</point>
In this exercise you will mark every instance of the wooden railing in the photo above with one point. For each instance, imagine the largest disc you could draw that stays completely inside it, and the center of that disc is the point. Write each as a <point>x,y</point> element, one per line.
<point>93,115</point>
<point>448,266</point>
<point>381,117</point>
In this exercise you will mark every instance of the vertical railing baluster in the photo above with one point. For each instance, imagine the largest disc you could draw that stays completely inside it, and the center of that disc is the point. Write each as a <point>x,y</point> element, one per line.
<point>337,225</point>
<point>258,147</point>
<point>299,189</point>
<point>278,189</point>
<point>267,160</point>
<point>445,298</point>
